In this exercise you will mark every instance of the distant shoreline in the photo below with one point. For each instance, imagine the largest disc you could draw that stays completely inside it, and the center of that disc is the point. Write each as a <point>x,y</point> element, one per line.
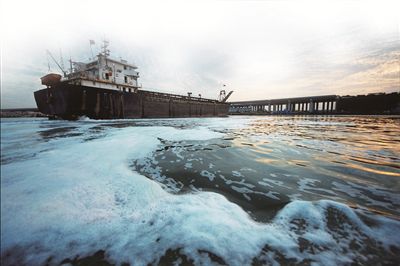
<point>21,112</point>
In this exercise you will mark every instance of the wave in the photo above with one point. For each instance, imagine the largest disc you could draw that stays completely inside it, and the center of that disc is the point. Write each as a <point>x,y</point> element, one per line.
<point>77,200</point>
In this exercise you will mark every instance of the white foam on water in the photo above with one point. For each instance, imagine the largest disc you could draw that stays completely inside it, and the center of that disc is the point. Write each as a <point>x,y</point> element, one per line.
<point>79,197</point>
<point>207,174</point>
<point>237,174</point>
<point>188,165</point>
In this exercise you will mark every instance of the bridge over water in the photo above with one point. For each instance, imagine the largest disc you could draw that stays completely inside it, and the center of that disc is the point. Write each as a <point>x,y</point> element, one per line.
<point>313,104</point>
<point>376,103</point>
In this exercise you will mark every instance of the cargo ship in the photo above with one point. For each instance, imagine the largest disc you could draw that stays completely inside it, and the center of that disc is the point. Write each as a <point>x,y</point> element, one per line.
<point>105,88</point>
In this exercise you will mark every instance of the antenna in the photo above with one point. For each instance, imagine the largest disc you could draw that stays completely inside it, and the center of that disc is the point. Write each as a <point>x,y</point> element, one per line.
<point>104,47</point>
<point>91,42</point>
<point>105,50</point>
<point>61,60</point>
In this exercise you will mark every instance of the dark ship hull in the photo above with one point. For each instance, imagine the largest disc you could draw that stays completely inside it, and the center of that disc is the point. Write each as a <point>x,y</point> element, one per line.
<point>68,101</point>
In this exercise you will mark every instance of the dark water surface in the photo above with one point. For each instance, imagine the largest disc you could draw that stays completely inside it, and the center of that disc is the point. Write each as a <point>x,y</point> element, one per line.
<point>234,191</point>
<point>273,160</point>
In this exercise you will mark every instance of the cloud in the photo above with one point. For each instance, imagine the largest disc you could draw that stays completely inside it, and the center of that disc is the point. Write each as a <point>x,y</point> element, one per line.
<point>260,49</point>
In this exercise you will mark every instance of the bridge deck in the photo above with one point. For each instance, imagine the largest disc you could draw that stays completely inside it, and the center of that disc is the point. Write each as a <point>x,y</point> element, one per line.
<point>377,103</point>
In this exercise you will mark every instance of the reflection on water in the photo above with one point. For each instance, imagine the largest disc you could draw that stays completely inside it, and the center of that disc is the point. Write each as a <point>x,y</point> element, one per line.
<point>270,160</point>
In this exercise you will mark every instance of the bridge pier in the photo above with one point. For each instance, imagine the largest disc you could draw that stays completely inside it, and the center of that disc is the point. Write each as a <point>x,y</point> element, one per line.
<point>311,106</point>
<point>300,105</point>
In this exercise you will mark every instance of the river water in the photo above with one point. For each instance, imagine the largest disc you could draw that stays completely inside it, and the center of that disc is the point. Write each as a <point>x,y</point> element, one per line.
<point>242,190</point>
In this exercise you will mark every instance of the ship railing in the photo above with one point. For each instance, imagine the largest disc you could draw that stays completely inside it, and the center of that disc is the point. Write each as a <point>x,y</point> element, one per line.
<point>177,97</point>
<point>149,93</point>
<point>85,76</point>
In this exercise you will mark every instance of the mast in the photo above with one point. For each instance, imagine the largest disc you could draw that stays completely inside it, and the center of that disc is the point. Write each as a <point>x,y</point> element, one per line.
<point>61,60</point>
<point>70,64</point>
<point>91,42</point>
<point>105,50</point>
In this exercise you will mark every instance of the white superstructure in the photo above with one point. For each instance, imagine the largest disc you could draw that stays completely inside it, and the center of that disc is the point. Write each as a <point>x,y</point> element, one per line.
<point>104,72</point>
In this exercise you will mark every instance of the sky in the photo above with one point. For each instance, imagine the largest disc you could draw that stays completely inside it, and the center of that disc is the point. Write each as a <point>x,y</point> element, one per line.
<point>258,49</point>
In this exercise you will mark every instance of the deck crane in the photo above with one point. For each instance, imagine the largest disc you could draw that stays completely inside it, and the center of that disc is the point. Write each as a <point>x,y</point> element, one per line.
<point>55,61</point>
<point>223,96</point>
<point>227,96</point>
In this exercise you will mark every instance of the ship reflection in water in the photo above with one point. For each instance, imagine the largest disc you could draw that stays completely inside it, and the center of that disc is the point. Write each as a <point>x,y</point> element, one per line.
<point>221,191</point>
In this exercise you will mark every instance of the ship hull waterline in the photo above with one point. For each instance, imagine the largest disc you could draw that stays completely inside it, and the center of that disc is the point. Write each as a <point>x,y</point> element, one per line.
<point>68,101</point>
